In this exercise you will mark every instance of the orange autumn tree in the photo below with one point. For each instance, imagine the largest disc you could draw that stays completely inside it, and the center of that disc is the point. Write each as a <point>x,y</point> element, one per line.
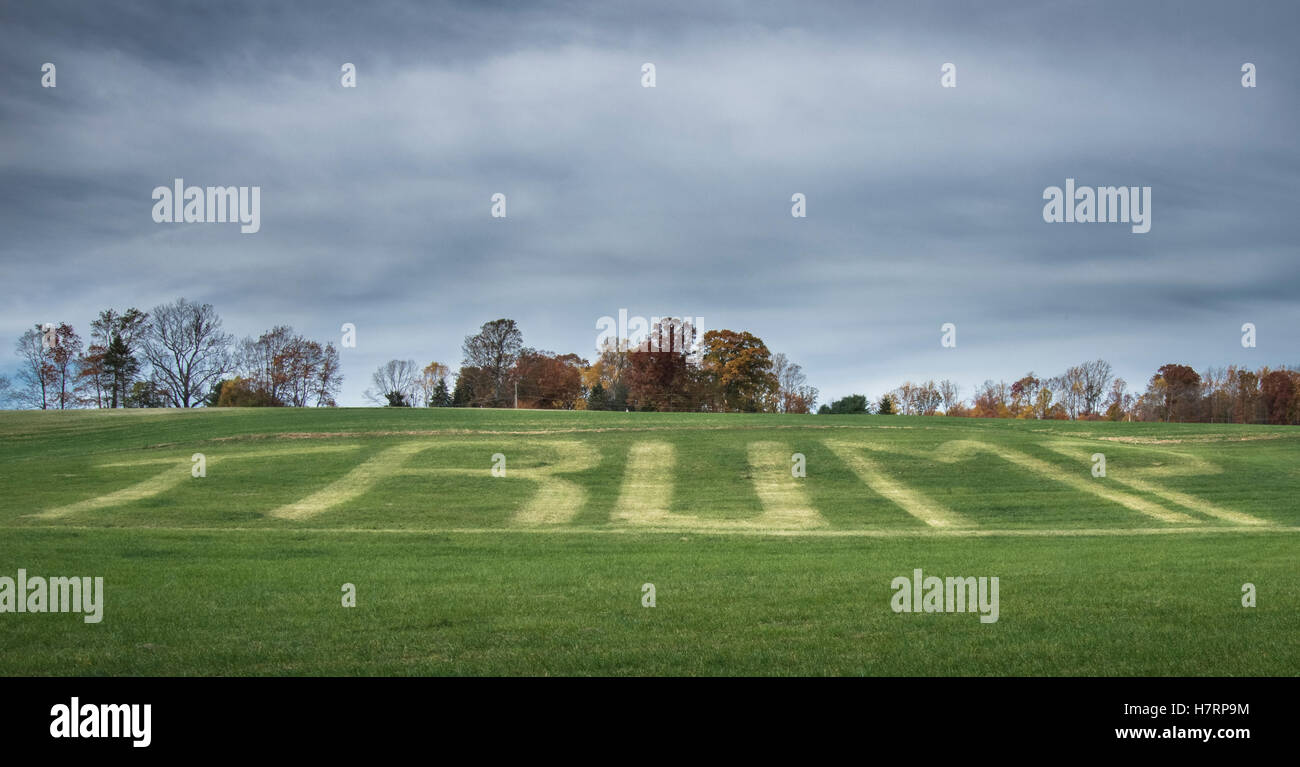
<point>547,380</point>
<point>738,370</point>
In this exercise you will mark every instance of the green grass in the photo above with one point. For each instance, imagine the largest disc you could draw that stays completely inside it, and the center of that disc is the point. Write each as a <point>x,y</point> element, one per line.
<point>206,576</point>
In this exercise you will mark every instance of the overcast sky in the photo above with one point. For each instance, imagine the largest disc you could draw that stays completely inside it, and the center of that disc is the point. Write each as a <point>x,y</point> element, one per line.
<point>924,203</point>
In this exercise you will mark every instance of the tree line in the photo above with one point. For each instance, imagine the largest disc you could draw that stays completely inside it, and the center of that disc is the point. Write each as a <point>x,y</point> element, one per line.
<point>177,355</point>
<point>174,356</point>
<point>1090,391</point>
<point>672,369</point>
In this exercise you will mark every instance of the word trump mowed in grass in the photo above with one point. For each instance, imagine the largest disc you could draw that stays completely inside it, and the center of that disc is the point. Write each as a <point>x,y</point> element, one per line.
<point>568,481</point>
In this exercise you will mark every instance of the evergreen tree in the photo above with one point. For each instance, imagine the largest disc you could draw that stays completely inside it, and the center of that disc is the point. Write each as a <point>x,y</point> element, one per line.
<point>441,397</point>
<point>854,404</point>
<point>596,398</point>
<point>463,394</point>
<point>121,367</point>
<point>214,397</point>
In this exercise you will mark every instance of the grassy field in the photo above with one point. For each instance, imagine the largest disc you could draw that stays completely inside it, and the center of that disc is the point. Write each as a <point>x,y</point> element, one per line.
<point>540,571</point>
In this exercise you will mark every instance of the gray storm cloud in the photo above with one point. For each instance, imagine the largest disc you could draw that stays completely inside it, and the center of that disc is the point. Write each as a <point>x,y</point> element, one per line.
<point>924,203</point>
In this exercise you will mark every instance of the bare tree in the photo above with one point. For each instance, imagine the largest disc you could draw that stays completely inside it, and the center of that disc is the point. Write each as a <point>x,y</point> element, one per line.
<point>262,361</point>
<point>187,349</point>
<point>928,398</point>
<point>290,369</point>
<point>303,364</point>
<point>1069,390</point>
<point>396,383</point>
<point>612,362</point>
<point>794,395</point>
<point>1119,405</point>
<point>329,377</point>
<point>950,394</point>
<point>1096,377</point>
<point>64,356</point>
<point>905,397</point>
<point>781,369</point>
<point>37,376</point>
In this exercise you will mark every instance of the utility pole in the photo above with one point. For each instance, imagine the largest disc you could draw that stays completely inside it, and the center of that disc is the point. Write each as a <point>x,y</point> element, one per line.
<point>516,395</point>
